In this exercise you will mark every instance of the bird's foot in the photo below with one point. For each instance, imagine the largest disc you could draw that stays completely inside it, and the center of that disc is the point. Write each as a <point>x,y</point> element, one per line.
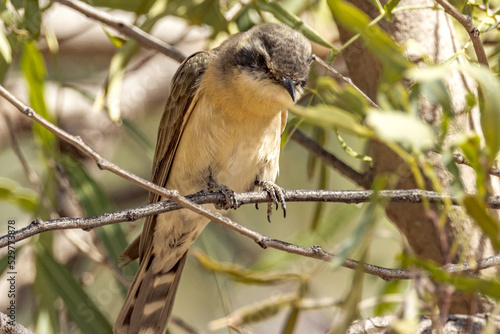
<point>230,201</point>
<point>277,195</point>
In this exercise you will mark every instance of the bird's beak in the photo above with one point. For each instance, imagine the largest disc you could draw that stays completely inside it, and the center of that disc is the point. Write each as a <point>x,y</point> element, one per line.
<point>289,86</point>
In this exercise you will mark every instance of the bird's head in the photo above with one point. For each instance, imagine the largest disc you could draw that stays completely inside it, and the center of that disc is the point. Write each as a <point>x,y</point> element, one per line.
<point>270,61</point>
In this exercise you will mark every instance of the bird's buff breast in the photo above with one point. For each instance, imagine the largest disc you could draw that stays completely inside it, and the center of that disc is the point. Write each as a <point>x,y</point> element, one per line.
<point>226,147</point>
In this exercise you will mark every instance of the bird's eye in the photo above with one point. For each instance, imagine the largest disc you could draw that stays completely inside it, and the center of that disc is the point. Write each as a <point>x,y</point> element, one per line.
<point>302,83</point>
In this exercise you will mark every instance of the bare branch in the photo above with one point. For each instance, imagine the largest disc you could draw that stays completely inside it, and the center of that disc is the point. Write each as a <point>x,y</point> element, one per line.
<point>330,159</point>
<point>126,29</point>
<point>204,197</point>
<point>39,226</point>
<point>345,79</point>
<point>9,326</point>
<point>466,22</point>
<point>460,159</point>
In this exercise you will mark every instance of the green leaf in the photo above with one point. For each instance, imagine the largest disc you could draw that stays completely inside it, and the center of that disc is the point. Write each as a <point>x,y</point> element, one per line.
<point>5,49</point>
<point>121,59</point>
<point>462,283</point>
<point>196,12</point>
<point>138,7</point>
<point>14,193</point>
<point>405,129</point>
<point>431,81</point>
<point>375,38</point>
<point>477,209</point>
<point>489,102</point>
<point>78,304</point>
<point>344,97</point>
<point>389,7</point>
<point>293,21</point>
<point>32,18</point>
<point>332,117</point>
<point>35,73</point>
<point>470,145</point>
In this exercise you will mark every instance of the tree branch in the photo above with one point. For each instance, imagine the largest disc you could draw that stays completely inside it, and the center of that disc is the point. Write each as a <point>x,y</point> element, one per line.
<point>355,196</point>
<point>7,327</point>
<point>466,22</point>
<point>126,29</point>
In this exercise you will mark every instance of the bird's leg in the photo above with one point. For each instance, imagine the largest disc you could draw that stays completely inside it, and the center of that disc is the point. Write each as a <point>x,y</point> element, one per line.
<point>230,201</point>
<point>276,193</point>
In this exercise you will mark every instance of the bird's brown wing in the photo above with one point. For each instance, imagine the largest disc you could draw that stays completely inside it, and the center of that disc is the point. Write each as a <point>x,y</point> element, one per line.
<point>177,111</point>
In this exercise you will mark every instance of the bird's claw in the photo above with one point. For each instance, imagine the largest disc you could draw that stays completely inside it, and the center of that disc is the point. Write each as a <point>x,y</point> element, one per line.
<point>230,201</point>
<point>277,195</point>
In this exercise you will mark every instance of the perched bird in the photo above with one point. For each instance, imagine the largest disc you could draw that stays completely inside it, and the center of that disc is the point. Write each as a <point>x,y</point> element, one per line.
<point>221,129</point>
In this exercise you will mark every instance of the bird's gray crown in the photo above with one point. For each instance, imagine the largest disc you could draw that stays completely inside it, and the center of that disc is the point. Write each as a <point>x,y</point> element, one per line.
<point>269,50</point>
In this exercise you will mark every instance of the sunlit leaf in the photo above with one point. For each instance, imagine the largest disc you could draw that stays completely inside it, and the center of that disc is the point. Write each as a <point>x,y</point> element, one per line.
<point>489,100</point>
<point>374,37</point>
<point>402,128</point>
<point>344,97</point>
<point>5,49</point>
<point>431,81</point>
<point>121,59</point>
<point>477,209</point>
<point>34,70</point>
<point>470,145</point>
<point>14,193</point>
<point>460,282</point>
<point>332,117</point>
<point>389,7</point>
<point>293,21</point>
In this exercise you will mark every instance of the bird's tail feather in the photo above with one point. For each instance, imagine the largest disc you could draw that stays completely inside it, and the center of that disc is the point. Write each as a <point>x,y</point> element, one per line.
<point>150,299</point>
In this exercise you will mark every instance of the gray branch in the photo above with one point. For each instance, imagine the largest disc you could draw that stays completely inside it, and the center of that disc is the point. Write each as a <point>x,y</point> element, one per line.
<point>126,29</point>
<point>315,252</point>
<point>466,22</point>
<point>6,326</point>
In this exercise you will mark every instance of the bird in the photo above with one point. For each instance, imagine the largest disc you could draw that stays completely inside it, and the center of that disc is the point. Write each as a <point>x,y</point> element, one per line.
<point>221,130</point>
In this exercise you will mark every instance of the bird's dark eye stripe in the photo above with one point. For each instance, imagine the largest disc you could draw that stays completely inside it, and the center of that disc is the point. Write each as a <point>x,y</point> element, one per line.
<point>251,58</point>
<point>245,57</point>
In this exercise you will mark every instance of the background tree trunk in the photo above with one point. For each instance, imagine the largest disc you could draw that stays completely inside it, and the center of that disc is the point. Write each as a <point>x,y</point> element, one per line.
<point>434,33</point>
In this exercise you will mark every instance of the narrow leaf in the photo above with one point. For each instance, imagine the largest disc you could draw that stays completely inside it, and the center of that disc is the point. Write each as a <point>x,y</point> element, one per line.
<point>5,49</point>
<point>80,307</point>
<point>293,21</point>
<point>405,129</point>
<point>479,212</point>
<point>374,37</point>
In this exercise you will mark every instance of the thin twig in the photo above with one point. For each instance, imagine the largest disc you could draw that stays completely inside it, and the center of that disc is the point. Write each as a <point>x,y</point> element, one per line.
<point>460,159</point>
<point>126,29</point>
<point>330,159</point>
<point>7,325</point>
<point>128,215</point>
<point>316,252</point>
<point>466,22</point>
<point>347,80</point>
<point>39,226</point>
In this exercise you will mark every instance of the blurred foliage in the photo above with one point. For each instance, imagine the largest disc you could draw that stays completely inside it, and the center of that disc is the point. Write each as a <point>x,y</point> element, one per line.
<point>336,116</point>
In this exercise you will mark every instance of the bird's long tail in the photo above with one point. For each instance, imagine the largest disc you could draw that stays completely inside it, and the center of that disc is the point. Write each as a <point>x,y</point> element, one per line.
<point>150,299</point>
